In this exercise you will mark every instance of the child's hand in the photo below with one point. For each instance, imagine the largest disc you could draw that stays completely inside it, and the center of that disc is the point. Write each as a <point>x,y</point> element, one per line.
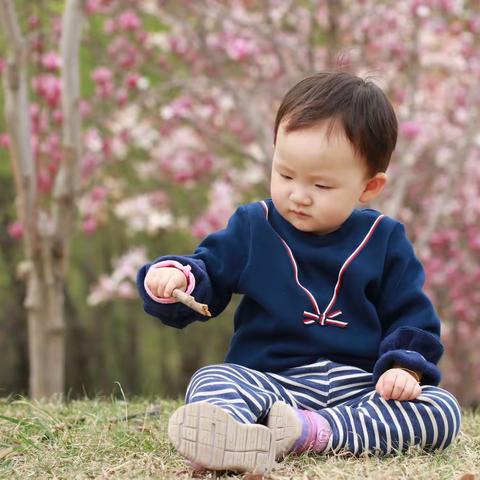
<point>163,281</point>
<point>397,384</point>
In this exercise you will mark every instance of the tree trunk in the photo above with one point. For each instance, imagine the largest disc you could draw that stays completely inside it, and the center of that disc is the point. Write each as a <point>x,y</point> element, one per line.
<point>46,232</point>
<point>46,336</point>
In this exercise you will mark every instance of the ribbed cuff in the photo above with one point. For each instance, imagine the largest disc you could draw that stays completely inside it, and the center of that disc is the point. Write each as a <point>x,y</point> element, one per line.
<point>186,269</point>
<point>409,359</point>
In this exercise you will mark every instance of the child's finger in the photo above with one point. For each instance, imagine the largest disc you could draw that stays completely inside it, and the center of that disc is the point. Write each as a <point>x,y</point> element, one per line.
<point>379,386</point>
<point>399,386</point>
<point>176,281</point>
<point>161,287</point>
<point>171,285</point>
<point>407,393</point>
<point>388,384</point>
<point>416,391</point>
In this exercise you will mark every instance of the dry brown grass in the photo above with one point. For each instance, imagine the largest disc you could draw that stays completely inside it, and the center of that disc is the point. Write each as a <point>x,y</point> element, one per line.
<point>96,439</point>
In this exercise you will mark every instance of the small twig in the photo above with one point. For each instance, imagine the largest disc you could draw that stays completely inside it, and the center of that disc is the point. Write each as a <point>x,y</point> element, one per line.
<point>189,301</point>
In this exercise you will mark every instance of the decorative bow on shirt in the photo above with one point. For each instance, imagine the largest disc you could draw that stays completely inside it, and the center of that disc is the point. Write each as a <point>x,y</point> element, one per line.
<point>324,319</point>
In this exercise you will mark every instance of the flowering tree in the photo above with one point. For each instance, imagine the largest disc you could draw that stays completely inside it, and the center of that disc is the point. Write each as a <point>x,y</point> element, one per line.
<point>181,127</point>
<point>45,228</point>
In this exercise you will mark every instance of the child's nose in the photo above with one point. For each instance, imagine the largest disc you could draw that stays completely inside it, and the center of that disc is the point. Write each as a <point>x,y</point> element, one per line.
<point>300,196</point>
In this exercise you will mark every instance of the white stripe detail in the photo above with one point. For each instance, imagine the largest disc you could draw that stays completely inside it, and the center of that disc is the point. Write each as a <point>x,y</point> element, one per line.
<point>385,424</point>
<point>324,315</point>
<point>407,421</point>
<point>395,421</point>
<point>374,424</point>
<point>353,393</point>
<point>423,430</point>
<point>445,397</point>
<point>348,260</point>
<point>421,398</point>
<point>334,414</point>
<point>444,418</point>
<point>366,444</point>
<point>353,431</point>
<point>288,381</point>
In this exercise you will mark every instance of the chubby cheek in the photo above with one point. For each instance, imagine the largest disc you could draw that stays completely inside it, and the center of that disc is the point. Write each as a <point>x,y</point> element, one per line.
<point>278,193</point>
<point>336,210</point>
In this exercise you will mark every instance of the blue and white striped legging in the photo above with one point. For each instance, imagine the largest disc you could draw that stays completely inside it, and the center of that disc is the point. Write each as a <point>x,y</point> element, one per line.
<point>361,421</point>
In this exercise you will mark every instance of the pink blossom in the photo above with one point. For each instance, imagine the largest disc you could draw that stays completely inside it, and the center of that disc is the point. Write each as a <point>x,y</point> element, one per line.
<point>125,136</point>
<point>39,118</point>
<point>57,116</point>
<point>53,151</point>
<point>142,37</point>
<point>57,27</point>
<point>33,22</point>
<point>126,290</point>
<point>131,80</point>
<point>106,146</point>
<point>410,129</point>
<point>180,107</point>
<point>185,165</point>
<point>89,164</point>
<point>51,61</point>
<point>89,226</point>
<point>102,75</point>
<point>109,26</point>
<point>96,6</point>
<point>3,65</point>
<point>124,53</point>
<point>37,44</point>
<point>85,108</point>
<point>213,220</point>
<point>99,193</point>
<point>474,240</point>
<point>5,140</point>
<point>129,21</point>
<point>48,87</point>
<point>239,48</point>
<point>121,96</point>
<point>103,79</point>
<point>15,230</point>
<point>473,25</point>
<point>178,45</point>
<point>159,198</point>
<point>44,181</point>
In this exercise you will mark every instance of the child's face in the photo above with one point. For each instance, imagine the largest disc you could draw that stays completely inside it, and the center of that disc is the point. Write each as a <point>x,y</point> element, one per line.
<point>317,181</point>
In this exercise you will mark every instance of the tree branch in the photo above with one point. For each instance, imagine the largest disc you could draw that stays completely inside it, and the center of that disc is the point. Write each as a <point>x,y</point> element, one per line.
<point>189,301</point>
<point>17,115</point>
<point>67,181</point>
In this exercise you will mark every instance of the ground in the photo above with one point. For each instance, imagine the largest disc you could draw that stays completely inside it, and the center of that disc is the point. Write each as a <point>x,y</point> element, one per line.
<point>108,438</point>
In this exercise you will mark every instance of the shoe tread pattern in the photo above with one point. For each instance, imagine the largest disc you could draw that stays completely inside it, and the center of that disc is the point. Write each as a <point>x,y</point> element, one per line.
<point>209,436</point>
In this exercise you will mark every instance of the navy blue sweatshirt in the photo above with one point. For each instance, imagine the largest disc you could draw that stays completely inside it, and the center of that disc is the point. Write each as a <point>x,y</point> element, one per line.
<point>353,296</point>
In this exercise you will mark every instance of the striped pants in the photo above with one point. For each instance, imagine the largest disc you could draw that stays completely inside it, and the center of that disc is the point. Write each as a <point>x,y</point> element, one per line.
<point>362,422</point>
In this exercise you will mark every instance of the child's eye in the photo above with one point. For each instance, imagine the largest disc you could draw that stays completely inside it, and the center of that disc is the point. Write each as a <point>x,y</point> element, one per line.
<point>323,187</point>
<point>285,176</point>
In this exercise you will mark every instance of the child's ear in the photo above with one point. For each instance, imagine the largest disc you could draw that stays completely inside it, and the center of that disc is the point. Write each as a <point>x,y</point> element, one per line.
<point>373,187</point>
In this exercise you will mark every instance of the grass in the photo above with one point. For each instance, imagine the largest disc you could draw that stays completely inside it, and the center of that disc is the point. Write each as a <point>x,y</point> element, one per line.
<point>107,438</point>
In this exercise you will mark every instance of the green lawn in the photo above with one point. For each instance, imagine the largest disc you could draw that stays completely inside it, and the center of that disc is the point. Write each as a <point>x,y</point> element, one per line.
<point>107,438</point>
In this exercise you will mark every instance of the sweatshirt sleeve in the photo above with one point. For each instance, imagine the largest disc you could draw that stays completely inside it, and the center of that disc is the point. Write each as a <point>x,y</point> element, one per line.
<point>217,265</point>
<point>410,325</point>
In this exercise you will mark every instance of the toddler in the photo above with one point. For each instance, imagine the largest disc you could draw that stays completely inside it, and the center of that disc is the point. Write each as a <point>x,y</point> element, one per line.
<point>335,345</point>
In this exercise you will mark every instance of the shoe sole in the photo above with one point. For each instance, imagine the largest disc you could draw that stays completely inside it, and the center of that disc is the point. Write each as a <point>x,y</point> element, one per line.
<point>285,426</point>
<point>209,436</point>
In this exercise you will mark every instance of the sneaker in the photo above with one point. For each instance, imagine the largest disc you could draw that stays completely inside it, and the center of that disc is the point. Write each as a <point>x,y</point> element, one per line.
<point>297,431</point>
<point>209,437</point>
<point>286,427</point>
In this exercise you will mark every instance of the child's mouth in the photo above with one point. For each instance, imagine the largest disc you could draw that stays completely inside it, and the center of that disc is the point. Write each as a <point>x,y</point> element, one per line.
<point>299,214</point>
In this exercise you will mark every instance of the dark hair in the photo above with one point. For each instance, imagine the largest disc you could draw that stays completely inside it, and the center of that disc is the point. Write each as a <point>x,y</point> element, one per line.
<point>365,113</point>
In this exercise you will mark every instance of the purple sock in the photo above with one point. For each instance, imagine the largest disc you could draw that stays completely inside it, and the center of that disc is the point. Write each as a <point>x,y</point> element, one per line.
<point>315,434</point>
